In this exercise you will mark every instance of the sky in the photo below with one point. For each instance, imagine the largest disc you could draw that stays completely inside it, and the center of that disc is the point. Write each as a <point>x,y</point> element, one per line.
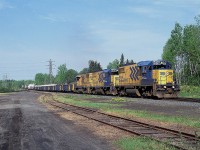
<point>75,31</point>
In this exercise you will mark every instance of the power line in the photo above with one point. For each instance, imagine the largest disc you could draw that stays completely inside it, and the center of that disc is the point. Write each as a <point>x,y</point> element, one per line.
<point>50,70</point>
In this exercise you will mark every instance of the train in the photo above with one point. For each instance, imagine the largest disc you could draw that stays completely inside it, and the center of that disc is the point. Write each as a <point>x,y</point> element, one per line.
<point>142,79</point>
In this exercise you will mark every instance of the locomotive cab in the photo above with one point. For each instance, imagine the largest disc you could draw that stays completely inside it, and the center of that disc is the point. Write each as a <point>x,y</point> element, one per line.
<point>163,75</point>
<point>158,79</point>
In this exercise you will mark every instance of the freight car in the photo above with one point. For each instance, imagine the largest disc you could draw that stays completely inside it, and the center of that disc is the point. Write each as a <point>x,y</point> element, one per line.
<point>143,79</point>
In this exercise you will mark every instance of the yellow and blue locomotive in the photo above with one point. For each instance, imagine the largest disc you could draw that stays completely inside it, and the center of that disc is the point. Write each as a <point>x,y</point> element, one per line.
<point>149,79</point>
<point>143,79</point>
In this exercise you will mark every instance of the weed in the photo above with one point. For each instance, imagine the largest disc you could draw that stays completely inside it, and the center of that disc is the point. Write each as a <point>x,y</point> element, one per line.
<point>141,143</point>
<point>118,99</point>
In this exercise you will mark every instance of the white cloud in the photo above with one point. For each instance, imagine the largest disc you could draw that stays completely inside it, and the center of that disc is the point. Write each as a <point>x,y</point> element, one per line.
<point>142,10</point>
<point>135,44</point>
<point>145,10</point>
<point>178,3</point>
<point>5,5</point>
<point>54,18</point>
<point>168,9</point>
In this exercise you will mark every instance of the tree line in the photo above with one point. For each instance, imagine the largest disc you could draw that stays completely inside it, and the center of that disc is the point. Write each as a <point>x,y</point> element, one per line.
<point>65,75</point>
<point>13,85</point>
<point>182,49</point>
<point>115,64</point>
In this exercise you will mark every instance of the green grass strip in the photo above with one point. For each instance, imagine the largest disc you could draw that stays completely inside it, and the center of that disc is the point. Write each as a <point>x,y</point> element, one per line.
<point>115,109</point>
<point>141,143</point>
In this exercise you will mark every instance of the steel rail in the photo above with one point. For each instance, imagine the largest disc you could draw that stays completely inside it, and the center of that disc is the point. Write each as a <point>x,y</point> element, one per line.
<point>131,124</point>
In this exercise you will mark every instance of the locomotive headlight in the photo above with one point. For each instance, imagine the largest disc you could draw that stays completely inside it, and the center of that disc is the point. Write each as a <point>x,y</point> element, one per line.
<point>165,87</point>
<point>173,87</point>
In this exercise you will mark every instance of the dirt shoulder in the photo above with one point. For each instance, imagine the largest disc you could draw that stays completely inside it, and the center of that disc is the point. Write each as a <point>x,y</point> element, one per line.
<point>27,124</point>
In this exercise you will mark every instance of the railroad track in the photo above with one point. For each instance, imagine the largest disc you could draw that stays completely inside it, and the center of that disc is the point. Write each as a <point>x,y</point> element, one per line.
<point>184,99</point>
<point>177,139</point>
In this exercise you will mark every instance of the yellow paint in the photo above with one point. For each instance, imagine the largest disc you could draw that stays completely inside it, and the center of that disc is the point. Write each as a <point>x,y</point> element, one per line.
<point>124,76</point>
<point>90,79</point>
<point>163,76</point>
<point>83,80</point>
<point>115,79</point>
<point>94,79</point>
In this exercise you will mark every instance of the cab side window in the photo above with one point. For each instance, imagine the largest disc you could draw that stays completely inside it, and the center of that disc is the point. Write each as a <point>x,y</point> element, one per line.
<point>150,68</point>
<point>121,70</point>
<point>144,69</point>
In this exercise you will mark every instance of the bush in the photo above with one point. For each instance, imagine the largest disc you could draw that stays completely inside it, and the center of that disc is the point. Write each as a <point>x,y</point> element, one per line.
<point>190,91</point>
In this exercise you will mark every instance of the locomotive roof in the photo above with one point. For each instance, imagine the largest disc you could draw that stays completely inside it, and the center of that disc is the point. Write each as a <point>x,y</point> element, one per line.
<point>148,63</point>
<point>144,63</point>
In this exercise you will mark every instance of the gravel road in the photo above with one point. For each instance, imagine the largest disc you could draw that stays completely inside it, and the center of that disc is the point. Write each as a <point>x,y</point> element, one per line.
<point>27,124</point>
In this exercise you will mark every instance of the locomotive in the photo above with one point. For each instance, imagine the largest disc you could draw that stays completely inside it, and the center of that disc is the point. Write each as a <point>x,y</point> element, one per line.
<point>142,79</point>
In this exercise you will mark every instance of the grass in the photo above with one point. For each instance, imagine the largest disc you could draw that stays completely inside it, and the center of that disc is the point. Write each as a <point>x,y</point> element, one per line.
<point>141,143</point>
<point>116,110</point>
<point>190,91</point>
<point>73,99</point>
<point>118,99</point>
<point>136,143</point>
<point>3,94</point>
<point>163,118</point>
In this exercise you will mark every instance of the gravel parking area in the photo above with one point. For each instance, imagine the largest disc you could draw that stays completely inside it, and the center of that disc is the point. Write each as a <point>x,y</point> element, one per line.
<point>27,124</point>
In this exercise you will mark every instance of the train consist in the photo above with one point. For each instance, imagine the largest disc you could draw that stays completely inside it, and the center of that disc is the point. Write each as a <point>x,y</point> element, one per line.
<point>143,79</point>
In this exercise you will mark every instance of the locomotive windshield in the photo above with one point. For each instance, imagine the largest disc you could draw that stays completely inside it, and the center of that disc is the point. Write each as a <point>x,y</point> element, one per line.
<point>161,66</point>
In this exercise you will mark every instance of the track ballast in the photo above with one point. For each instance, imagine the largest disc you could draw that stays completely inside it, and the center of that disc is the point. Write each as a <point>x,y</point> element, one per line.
<point>177,139</point>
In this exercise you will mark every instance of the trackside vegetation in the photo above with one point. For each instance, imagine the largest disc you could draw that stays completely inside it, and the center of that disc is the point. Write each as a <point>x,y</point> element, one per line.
<point>113,108</point>
<point>182,49</point>
<point>141,143</point>
<point>190,91</point>
<point>13,85</point>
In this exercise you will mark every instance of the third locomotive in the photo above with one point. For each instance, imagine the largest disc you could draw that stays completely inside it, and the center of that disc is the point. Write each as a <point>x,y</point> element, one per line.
<point>143,79</point>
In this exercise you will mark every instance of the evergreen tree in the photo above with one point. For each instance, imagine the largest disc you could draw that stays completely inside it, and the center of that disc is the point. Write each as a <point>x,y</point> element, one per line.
<point>131,62</point>
<point>94,66</point>
<point>121,60</point>
<point>127,62</point>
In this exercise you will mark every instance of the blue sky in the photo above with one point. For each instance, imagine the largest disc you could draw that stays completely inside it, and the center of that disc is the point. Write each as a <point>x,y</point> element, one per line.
<point>75,31</point>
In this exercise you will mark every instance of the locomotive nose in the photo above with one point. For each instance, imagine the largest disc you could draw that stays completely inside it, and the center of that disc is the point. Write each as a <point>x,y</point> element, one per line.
<point>169,90</point>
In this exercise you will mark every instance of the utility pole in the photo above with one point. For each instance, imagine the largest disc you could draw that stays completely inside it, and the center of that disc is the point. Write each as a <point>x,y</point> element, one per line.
<point>50,70</point>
